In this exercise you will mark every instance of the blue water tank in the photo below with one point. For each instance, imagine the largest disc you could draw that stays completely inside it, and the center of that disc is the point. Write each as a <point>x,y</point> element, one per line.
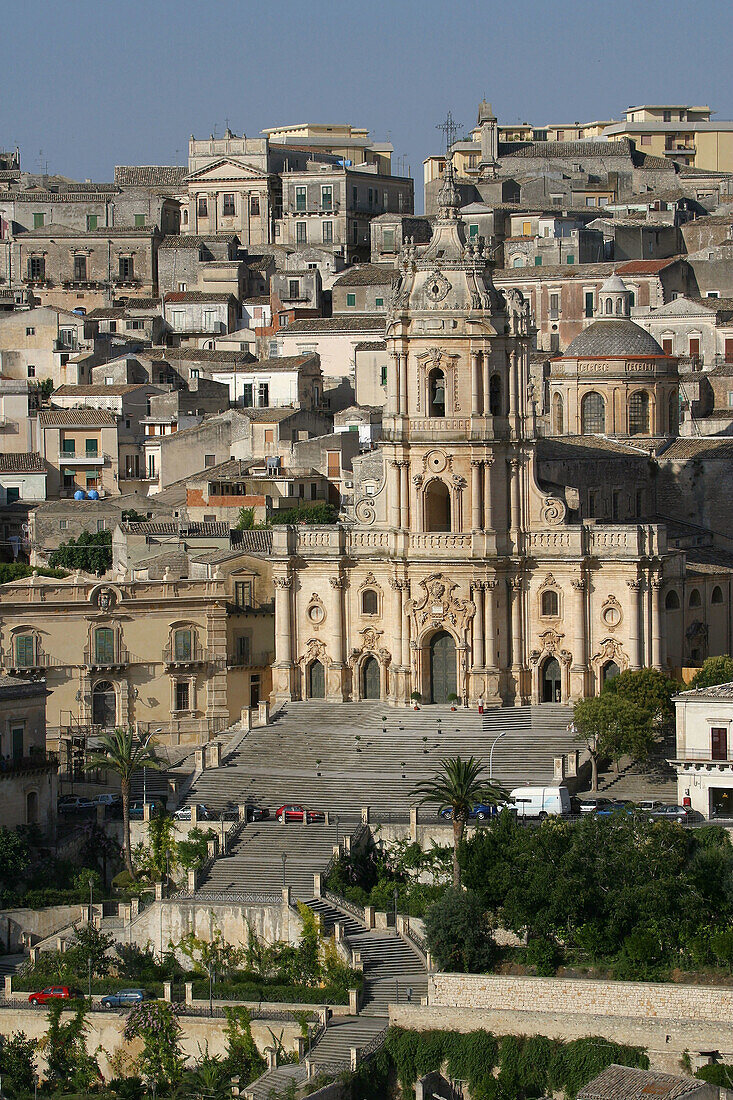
<point>79,494</point>
<point>93,494</point>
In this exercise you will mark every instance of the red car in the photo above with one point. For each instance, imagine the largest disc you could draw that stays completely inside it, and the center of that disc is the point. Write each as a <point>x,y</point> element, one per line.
<point>51,993</point>
<point>295,813</point>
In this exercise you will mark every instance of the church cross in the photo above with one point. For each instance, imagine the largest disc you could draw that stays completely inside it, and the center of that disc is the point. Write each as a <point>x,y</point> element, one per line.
<point>450,128</point>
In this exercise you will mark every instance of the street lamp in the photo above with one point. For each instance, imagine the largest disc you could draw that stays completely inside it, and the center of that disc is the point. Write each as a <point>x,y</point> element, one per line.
<point>89,959</point>
<point>336,820</point>
<point>284,858</point>
<point>491,754</point>
<point>395,895</point>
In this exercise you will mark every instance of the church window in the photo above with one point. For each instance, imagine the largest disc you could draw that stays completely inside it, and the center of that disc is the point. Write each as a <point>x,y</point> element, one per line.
<point>695,600</point>
<point>437,507</point>
<point>254,206</point>
<point>671,601</point>
<point>495,395</point>
<point>228,206</point>
<point>632,298</point>
<point>639,413</point>
<point>369,602</point>
<point>717,596</point>
<point>436,392</point>
<point>388,240</point>
<point>557,414</point>
<point>593,414</point>
<point>592,500</point>
<point>550,604</point>
<point>639,503</point>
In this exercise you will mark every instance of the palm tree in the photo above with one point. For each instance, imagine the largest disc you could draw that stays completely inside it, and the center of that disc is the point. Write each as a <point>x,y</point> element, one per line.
<point>120,751</point>
<point>459,784</point>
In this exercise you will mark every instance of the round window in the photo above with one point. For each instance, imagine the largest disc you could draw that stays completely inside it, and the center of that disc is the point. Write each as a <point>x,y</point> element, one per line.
<point>316,614</point>
<point>611,615</point>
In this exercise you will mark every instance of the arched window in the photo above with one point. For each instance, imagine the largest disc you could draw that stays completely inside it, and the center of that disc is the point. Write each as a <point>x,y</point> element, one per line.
<point>609,305</point>
<point>185,217</point>
<point>632,299</point>
<point>369,602</point>
<point>671,601</point>
<point>619,306</point>
<point>495,395</point>
<point>674,413</point>
<point>437,507</point>
<point>557,414</point>
<point>31,808</point>
<point>717,596</point>
<point>609,671</point>
<point>104,645</point>
<point>436,392</point>
<point>550,604</point>
<point>182,644</point>
<point>25,650</point>
<point>695,600</point>
<point>518,261</point>
<point>593,414</point>
<point>639,413</point>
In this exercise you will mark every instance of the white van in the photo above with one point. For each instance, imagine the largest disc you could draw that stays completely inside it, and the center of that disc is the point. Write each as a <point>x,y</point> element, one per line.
<point>541,802</point>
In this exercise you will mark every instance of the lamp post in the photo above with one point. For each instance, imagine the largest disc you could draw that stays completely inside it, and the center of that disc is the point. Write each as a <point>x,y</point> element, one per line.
<point>491,754</point>
<point>395,896</point>
<point>284,858</point>
<point>336,820</point>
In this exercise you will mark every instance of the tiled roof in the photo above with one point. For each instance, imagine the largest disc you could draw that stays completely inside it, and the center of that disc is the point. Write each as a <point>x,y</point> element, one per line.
<point>197,355</point>
<point>704,447</point>
<point>367,275</point>
<point>256,542</point>
<point>645,267</point>
<point>371,345</point>
<point>362,322</point>
<point>562,149</point>
<point>184,241</point>
<point>106,313</point>
<point>580,271</point>
<point>87,193</point>
<point>283,363</point>
<point>613,336</point>
<point>98,391</point>
<point>269,416</point>
<point>82,418</point>
<point>717,691</point>
<point>552,448</point>
<point>149,175</point>
<point>628,1083</point>
<point>183,296</point>
<point>30,463</point>
<point>142,303</point>
<point>172,527</point>
<point>56,229</point>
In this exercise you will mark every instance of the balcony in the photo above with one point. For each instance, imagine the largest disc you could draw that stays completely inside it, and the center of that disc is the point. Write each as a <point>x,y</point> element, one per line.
<point>250,660</point>
<point>97,459</point>
<point>118,658</point>
<point>25,765</point>
<point>313,208</point>
<point>37,663</point>
<point>66,345</point>
<point>181,658</point>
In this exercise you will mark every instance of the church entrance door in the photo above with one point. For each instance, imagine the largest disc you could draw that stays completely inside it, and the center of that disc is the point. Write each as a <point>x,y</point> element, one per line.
<point>316,681</point>
<point>551,681</point>
<point>442,667</point>
<point>370,679</point>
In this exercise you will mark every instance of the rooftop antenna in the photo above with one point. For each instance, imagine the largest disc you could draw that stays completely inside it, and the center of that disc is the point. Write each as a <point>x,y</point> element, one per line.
<point>450,128</point>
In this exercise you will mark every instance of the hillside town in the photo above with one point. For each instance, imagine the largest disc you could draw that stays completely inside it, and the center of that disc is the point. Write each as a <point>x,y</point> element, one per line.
<point>366,616</point>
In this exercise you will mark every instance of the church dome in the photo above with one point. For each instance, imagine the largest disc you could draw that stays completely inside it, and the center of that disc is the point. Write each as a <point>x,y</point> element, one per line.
<point>614,337</point>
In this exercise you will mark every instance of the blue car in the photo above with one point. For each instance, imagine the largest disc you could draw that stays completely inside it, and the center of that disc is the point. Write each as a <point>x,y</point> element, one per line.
<point>614,806</point>
<point>123,997</point>
<point>481,812</point>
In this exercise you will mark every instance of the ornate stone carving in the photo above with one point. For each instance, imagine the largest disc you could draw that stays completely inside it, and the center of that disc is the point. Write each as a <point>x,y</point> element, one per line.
<point>549,582</point>
<point>283,582</point>
<point>315,610</point>
<point>611,613</point>
<point>634,585</point>
<point>336,582</point>
<point>610,649</point>
<point>551,646</point>
<point>437,461</point>
<point>417,480</point>
<point>365,511</point>
<point>438,606</point>
<point>554,511</point>
<point>437,288</point>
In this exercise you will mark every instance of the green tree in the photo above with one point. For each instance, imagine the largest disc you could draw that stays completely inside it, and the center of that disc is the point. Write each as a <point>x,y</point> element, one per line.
<point>69,1068</point>
<point>246,519</point>
<point>209,1079</point>
<point>17,1064</point>
<point>90,946</point>
<point>715,670</point>
<point>122,752</point>
<point>193,851</point>
<point>15,856</point>
<point>161,847</point>
<point>459,784</point>
<point>91,553</point>
<point>320,513</point>
<point>84,879</point>
<point>611,726</point>
<point>243,1059</point>
<point>458,933</point>
<point>647,688</point>
<point>16,570</point>
<point>161,1059</point>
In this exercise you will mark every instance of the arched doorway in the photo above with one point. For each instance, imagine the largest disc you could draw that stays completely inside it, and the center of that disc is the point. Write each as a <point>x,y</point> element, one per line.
<point>609,671</point>
<point>104,704</point>
<point>370,678</point>
<point>551,681</point>
<point>316,681</point>
<point>437,507</point>
<point>442,667</point>
<point>31,808</point>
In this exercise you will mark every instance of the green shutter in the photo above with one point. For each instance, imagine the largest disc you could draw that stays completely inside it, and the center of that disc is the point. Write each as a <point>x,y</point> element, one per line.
<point>570,258</point>
<point>24,651</point>
<point>104,645</point>
<point>183,645</point>
<point>351,299</point>
<point>538,261</point>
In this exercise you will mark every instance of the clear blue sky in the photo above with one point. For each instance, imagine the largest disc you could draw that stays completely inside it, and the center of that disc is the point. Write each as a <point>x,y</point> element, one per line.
<point>94,83</point>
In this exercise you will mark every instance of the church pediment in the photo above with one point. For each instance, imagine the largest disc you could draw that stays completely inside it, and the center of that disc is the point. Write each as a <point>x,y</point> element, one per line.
<point>226,168</point>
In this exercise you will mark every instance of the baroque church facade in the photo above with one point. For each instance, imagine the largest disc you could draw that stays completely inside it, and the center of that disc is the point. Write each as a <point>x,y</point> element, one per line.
<point>478,562</point>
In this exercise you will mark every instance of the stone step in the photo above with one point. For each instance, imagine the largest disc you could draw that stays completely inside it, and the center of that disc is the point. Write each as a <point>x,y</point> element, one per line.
<point>275,1082</point>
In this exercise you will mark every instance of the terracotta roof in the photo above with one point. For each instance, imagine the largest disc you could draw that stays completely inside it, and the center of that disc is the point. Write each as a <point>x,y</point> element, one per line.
<point>197,355</point>
<point>149,175</point>
<point>367,275</point>
<point>172,527</point>
<point>98,391</point>
<point>717,447</point>
<point>142,303</point>
<point>562,149</point>
<point>362,322</point>
<point>717,691</point>
<point>256,542</point>
<point>628,1083</point>
<point>283,363</point>
<point>373,345</point>
<point>198,296</point>
<point>82,418</point>
<point>185,241</point>
<point>645,267</point>
<point>30,463</point>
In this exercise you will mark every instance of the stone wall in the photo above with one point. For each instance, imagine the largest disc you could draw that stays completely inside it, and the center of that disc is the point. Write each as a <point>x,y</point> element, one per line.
<point>38,923</point>
<point>170,921</point>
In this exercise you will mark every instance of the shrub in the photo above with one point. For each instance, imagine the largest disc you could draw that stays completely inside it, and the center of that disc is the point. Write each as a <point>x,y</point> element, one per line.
<point>458,933</point>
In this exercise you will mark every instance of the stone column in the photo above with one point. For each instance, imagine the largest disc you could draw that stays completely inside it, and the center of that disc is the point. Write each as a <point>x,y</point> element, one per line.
<point>475,384</point>
<point>515,591</point>
<point>337,627</point>
<point>490,630</point>
<point>476,494</point>
<point>283,623</point>
<point>404,495</point>
<point>397,644</point>
<point>635,648</point>
<point>405,658</point>
<point>515,495</point>
<point>579,631</point>
<point>486,375</point>
<point>489,524</point>
<point>512,362</point>
<point>657,634</point>
<point>393,385</point>
<point>478,625</point>
<point>403,384</point>
<point>394,493</point>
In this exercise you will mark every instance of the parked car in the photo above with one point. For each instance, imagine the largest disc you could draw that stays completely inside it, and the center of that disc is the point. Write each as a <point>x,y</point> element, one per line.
<point>614,806</point>
<point>108,799</point>
<point>52,993</point>
<point>72,805</point>
<point>295,813</point>
<point>593,805</point>
<point>664,812</point>
<point>136,810</point>
<point>203,813</point>
<point>123,997</point>
<point>482,811</point>
<point>541,802</point>
<point>259,813</point>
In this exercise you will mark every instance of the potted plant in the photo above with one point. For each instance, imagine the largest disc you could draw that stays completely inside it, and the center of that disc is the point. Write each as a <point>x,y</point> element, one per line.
<point>416,698</point>
<point>453,699</point>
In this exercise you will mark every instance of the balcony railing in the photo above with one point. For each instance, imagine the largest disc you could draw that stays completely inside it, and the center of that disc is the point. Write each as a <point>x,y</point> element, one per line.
<point>705,756</point>
<point>313,208</point>
<point>117,658</point>
<point>36,761</point>
<point>196,655</point>
<point>250,660</point>
<point>38,661</point>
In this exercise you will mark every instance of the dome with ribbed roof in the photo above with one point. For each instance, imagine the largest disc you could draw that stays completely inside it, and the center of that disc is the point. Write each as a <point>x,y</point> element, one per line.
<point>615,338</point>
